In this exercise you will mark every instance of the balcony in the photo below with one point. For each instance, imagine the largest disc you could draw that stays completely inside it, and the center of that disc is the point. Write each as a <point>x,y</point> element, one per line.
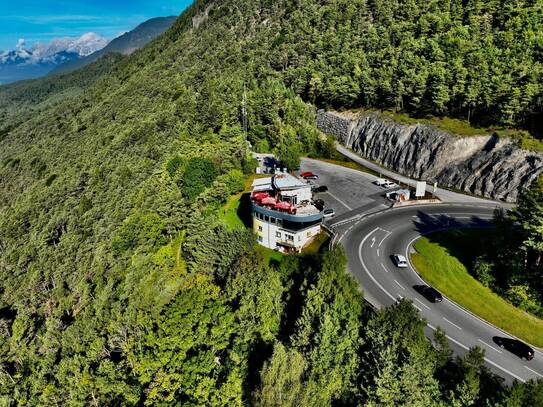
<point>308,213</point>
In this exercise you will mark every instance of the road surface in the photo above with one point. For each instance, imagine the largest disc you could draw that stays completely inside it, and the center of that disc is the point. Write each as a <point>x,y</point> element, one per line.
<point>370,242</point>
<point>370,232</point>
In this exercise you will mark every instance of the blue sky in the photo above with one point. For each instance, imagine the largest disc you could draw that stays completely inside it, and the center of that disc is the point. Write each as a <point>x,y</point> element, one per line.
<point>42,20</point>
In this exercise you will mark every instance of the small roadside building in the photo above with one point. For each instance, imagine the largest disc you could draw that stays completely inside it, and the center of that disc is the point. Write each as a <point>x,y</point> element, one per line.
<point>284,215</point>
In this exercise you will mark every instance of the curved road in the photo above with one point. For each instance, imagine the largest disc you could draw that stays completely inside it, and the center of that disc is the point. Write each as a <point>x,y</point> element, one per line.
<point>369,244</point>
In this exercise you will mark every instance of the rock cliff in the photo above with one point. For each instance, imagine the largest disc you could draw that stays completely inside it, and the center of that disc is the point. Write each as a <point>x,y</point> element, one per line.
<point>485,165</point>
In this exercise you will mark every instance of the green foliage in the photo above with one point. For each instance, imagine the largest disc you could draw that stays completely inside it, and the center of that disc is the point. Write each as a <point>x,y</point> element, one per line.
<point>118,283</point>
<point>139,229</point>
<point>199,174</point>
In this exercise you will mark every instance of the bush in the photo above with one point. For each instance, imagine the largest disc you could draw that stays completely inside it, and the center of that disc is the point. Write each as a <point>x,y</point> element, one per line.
<point>482,269</point>
<point>199,174</point>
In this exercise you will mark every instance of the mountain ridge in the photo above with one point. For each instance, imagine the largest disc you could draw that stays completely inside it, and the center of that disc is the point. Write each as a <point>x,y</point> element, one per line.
<point>23,63</point>
<point>124,44</point>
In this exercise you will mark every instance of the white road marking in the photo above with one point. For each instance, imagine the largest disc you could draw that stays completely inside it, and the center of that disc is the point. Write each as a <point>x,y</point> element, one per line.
<point>533,371</point>
<point>383,266</point>
<point>486,359</point>
<point>432,327</point>
<point>378,252</point>
<point>366,269</point>
<point>490,346</point>
<point>452,323</point>
<point>417,308</point>
<point>383,239</point>
<point>423,304</point>
<point>339,200</point>
<point>372,241</point>
<point>399,285</point>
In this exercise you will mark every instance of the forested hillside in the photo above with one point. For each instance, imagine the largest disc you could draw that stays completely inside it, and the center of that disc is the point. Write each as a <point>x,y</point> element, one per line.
<point>120,285</point>
<point>20,100</point>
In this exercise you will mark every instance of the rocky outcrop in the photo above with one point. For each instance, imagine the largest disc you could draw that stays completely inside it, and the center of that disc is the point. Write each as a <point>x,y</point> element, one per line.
<point>485,165</point>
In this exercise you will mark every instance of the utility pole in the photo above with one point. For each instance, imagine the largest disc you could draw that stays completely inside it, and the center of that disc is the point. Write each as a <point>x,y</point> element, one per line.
<point>244,111</point>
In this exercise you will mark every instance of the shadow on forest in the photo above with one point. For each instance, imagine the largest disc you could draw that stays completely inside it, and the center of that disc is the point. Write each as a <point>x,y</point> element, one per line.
<point>244,210</point>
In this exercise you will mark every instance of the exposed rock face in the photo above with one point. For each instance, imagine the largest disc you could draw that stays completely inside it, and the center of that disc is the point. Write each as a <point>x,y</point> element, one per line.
<point>485,165</point>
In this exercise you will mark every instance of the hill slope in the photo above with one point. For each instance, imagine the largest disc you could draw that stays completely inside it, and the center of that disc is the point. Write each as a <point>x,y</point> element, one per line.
<point>20,100</point>
<point>119,284</point>
<point>125,44</point>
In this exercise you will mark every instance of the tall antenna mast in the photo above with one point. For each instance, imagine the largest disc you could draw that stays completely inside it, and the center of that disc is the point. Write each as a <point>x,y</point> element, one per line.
<point>244,111</point>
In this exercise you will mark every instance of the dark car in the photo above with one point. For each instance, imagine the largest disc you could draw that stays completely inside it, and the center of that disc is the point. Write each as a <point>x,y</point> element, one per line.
<point>319,203</point>
<point>515,346</point>
<point>322,188</point>
<point>431,294</point>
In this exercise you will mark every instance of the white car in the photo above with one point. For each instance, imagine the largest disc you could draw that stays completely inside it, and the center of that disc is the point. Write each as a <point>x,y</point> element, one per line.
<point>328,213</point>
<point>389,184</point>
<point>399,260</point>
<point>380,181</point>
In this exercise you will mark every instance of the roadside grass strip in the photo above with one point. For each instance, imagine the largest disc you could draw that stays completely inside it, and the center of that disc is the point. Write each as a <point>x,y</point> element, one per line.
<point>449,276</point>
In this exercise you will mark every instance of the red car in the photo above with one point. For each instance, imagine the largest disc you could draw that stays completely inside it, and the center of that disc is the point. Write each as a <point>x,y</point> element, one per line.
<point>306,174</point>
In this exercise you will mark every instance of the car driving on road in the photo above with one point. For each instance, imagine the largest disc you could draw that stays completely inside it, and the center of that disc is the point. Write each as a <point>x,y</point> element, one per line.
<point>515,346</point>
<point>328,213</point>
<point>399,260</point>
<point>430,293</point>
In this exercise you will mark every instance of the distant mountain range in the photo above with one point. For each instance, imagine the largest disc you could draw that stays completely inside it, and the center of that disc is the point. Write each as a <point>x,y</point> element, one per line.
<point>38,60</point>
<point>66,54</point>
<point>124,44</point>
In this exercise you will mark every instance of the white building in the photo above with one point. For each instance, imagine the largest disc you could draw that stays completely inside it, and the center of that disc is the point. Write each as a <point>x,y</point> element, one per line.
<point>284,217</point>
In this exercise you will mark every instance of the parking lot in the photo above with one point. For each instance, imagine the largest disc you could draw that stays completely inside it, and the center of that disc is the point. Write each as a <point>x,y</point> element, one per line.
<point>349,191</point>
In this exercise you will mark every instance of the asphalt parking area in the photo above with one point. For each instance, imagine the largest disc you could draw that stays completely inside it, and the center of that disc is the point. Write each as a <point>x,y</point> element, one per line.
<point>348,189</point>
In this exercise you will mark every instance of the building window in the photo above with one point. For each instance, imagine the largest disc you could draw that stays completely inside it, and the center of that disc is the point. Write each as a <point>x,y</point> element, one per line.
<point>272,220</point>
<point>259,228</point>
<point>260,238</point>
<point>279,222</point>
<point>267,218</point>
<point>278,234</point>
<point>289,237</point>
<point>299,238</point>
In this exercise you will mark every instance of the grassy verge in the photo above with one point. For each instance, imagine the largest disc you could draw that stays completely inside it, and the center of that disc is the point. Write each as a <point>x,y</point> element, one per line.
<point>450,276</point>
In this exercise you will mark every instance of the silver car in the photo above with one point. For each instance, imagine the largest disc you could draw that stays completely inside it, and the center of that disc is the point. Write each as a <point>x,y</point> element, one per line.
<point>399,260</point>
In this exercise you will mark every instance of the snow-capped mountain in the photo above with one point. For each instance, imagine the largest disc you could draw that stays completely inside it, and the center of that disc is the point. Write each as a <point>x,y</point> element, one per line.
<point>39,59</point>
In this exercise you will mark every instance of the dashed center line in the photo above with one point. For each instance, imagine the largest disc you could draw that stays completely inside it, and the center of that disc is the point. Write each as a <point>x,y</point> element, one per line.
<point>452,323</point>
<point>378,252</point>
<point>399,285</point>
<point>384,268</point>
<point>490,346</point>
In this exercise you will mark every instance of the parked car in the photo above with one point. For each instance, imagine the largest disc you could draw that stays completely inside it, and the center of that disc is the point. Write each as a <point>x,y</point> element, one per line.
<point>319,203</point>
<point>328,213</point>
<point>431,294</point>
<point>322,188</point>
<point>515,346</point>
<point>380,181</point>
<point>306,174</point>
<point>399,260</point>
<point>389,184</point>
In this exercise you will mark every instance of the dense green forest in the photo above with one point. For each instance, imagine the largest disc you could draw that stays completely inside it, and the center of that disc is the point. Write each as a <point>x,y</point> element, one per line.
<point>120,285</point>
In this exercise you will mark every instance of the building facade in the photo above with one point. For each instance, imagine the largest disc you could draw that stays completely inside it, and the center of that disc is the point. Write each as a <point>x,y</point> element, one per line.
<point>284,216</point>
